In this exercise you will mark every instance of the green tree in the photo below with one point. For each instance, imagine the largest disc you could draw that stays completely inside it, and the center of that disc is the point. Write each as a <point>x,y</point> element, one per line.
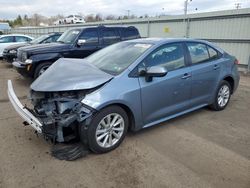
<point>25,17</point>
<point>18,21</point>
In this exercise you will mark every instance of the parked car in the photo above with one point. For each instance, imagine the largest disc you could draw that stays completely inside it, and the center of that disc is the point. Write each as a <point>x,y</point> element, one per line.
<point>58,22</point>
<point>128,86</point>
<point>7,40</point>
<point>10,52</point>
<point>73,19</point>
<point>33,60</point>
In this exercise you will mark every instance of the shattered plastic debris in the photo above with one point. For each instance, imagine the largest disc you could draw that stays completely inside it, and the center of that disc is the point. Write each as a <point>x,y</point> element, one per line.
<point>69,152</point>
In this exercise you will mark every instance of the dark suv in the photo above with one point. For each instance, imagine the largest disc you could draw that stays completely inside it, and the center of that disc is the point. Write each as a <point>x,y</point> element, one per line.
<point>10,53</point>
<point>33,60</point>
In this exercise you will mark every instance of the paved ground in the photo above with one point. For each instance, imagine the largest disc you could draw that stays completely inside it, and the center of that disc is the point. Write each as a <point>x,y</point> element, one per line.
<point>201,149</point>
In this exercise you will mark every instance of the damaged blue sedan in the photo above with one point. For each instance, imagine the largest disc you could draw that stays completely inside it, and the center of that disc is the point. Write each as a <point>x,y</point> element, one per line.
<point>127,86</point>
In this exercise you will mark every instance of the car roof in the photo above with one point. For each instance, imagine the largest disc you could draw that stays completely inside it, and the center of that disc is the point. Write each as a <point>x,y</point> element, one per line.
<point>104,26</point>
<point>161,41</point>
<point>165,40</point>
<point>16,35</point>
<point>54,33</point>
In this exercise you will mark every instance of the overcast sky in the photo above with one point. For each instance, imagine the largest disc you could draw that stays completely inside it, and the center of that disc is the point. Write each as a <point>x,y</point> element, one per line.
<point>9,9</point>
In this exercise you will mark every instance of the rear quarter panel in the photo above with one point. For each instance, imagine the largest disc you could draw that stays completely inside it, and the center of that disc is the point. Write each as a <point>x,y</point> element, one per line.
<point>228,69</point>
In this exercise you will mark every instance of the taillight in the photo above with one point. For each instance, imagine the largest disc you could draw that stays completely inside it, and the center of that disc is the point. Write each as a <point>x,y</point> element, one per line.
<point>236,62</point>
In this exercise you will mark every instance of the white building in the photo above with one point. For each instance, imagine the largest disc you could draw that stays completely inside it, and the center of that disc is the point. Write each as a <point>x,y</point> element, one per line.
<point>4,27</point>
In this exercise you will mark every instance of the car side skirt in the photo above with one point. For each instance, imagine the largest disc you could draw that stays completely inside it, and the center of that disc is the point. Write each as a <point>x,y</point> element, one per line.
<point>173,116</point>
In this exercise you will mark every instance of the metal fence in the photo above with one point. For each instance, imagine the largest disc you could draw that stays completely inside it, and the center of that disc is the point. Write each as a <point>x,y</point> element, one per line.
<point>228,29</point>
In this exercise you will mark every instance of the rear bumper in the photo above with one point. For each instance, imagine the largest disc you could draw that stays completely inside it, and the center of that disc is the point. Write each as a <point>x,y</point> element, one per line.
<point>237,83</point>
<point>236,77</point>
<point>22,111</point>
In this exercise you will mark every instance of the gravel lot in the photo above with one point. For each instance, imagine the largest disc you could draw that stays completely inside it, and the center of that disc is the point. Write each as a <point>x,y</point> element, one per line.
<point>201,149</point>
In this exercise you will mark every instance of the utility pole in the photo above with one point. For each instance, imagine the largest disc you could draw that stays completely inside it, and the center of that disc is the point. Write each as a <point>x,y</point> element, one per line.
<point>128,12</point>
<point>185,7</point>
<point>237,5</point>
<point>186,20</point>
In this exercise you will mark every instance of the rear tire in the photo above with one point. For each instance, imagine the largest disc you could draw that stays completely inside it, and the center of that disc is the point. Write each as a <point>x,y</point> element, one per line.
<point>107,129</point>
<point>40,69</point>
<point>222,96</point>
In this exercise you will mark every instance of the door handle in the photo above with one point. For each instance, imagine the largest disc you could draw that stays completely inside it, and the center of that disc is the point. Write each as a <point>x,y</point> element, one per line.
<point>216,67</point>
<point>186,76</point>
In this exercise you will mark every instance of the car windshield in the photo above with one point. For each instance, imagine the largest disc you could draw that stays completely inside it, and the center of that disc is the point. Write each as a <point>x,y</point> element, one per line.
<point>68,37</point>
<point>116,58</point>
<point>38,40</point>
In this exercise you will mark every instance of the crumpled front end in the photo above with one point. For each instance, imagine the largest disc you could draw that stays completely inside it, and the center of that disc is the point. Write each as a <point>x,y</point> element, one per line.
<point>60,113</point>
<point>57,115</point>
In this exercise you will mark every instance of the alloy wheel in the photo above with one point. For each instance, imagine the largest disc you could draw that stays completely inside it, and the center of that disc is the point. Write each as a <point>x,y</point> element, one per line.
<point>110,130</point>
<point>223,96</point>
<point>42,70</point>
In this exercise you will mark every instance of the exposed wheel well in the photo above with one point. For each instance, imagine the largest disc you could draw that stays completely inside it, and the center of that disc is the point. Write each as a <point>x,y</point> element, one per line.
<point>131,118</point>
<point>230,80</point>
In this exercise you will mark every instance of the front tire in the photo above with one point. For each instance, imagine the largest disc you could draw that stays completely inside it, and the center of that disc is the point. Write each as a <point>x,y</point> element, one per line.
<point>222,96</point>
<point>40,69</point>
<point>107,129</point>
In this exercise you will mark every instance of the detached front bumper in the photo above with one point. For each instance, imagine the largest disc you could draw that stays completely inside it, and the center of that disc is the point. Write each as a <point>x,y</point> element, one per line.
<point>22,111</point>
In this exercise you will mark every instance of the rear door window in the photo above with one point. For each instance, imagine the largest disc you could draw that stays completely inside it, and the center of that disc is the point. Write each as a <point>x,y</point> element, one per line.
<point>7,39</point>
<point>213,54</point>
<point>129,33</point>
<point>198,52</point>
<point>110,36</point>
<point>21,39</point>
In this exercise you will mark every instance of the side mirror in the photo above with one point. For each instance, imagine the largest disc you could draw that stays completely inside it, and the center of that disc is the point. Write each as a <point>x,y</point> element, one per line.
<point>155,71</point>
<point>81,42</point>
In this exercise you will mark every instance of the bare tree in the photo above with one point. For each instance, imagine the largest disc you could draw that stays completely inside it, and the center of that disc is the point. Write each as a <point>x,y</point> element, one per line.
<point>52,19</point>
<point>80,14</point>
<point>90,18</point>
<point>110,17</point>
<point>133,16</point>
<point>36,19</point>
<point>98,17</point>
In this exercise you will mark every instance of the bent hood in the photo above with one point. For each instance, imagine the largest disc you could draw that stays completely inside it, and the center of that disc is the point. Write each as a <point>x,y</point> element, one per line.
<point>70,74</point>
